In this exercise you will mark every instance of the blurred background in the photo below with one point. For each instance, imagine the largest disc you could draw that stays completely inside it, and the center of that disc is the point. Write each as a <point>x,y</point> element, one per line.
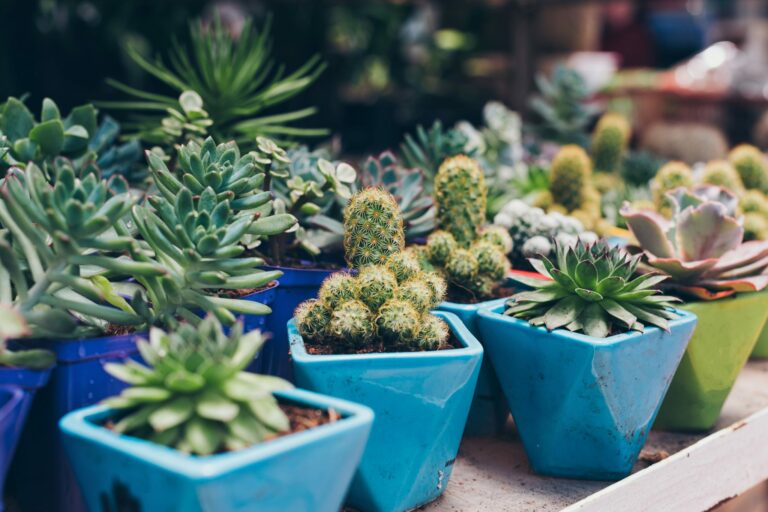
<point>392,65</point>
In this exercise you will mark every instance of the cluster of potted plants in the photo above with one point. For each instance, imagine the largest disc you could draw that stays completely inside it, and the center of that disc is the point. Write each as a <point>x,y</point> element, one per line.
<point>137,291</point>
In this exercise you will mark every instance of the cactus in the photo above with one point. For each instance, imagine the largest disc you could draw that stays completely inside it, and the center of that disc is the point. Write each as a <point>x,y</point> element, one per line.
<point>462,267</point>
<point>373,228</point>
<point>750,163</point>
<point>498,236</point>
<point>312,319</point>
<point>461,198</point>
<point>640,167</point>
<point>404,265</point>
<point>376,285</point>
<point>490,260</point>
<point>570,177</point>
<point>398,322</point>
<point>337,289</point>
<point>722,174</point>
<point>609,141</point>
<point>351,324</point>
<point>671,176</point>
<point>755,227</point>
<point>433,333</point>
<point>418,292</point>
<point>754,201</point>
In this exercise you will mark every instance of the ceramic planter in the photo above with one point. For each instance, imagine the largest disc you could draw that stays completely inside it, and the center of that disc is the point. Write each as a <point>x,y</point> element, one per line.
<point>304,472</point>
<point>489,410</point>
<point>761,348</point>
<point>296,286</point>
<point>727,332</point>
<point>421,401</point>
<point>583,406</point>
<point>12,416</point>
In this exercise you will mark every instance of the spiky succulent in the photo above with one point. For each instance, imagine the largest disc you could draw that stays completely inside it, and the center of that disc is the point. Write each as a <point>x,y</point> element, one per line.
<point>233,76</point>
<point>750,163</point>
<point>373,228</point>
<point>609,141</point>
<point>590,288</point>
<point>428,149</point>
<point>193,395</point>
<point>569,177</point>
<point>701,248</point>
<point>461,195</point>
<point>407,186</point>
<point>722,174</point>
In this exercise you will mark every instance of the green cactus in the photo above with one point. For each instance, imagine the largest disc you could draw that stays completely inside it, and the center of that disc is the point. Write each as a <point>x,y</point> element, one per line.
<point>722,174</point>
<point>376,285</point>
<point>498,236</point>
<point>433,333</point>
<point>754,201</point>
<point>418,292</point>
<point>462,267</point>
<point>373,228</point>
<point>672,175</point>
<point>750,163</point>
<point>398,322</point>
<point>569,177</point>
<point>755,227</point>
<point>609,141</point>
<point>351,323</point>
<point>491,261</point>
<point>461,198</point>
<point>404,265</point>
<point>312,319</point>
<point>437,286</point>
<point>337,289</point>
<point>440,246</point>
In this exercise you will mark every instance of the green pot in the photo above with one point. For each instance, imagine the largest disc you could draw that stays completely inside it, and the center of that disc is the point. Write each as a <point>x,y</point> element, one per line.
<point>761,349</point>
<point>724,337</point>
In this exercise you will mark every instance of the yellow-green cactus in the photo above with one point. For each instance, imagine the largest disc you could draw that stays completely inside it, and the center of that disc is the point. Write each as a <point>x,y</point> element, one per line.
<point>570,177</point>
<point>373,228</point>
<point>461,198</point>
<point>754,201</point>
<point>609,141</point>
<point>671,176</point>
<point>433,333</point>
<point>312,319</point>
<point>351,324</point>
<point>375,285</point>
<point>337,289</point>
<point>755,227</point>
<point>440,246</point>
<point>750,163</point>
<point>404,265</point>
<point>398,322</point>
<point>722,174</point>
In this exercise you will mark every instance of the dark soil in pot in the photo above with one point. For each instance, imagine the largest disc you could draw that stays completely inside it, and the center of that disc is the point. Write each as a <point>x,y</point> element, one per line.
<point>326,349</point>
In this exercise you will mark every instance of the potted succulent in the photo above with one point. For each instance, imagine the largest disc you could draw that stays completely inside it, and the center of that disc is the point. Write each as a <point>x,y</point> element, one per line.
<point>195,432</point>
<point>585,358</point>
<point>702,251</point>
<point>371,338</point>
<point>473,259</point>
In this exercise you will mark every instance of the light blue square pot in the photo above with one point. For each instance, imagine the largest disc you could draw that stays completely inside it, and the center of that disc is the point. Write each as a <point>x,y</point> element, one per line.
<point>489,411</point>
<point>421,401</point>
<point>308,471</point>
<point>583,406</point>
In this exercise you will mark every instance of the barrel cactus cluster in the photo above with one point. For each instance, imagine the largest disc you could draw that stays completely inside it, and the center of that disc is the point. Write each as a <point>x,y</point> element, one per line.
<point>386,306</point>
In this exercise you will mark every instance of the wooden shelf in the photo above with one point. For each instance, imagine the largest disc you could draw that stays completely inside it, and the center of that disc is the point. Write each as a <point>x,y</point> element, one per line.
<point>492,474</point>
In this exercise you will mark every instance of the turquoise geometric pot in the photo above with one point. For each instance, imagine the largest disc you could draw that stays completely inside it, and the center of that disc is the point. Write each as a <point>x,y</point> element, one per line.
<point>304,472</point>
<point>421,401</point>
<point>583,406</point>
<point>489,410</point>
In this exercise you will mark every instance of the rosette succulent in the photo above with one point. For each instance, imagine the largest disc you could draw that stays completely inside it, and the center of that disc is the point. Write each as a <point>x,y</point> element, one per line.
<point>193,395</point>
<point>428,148</point>
<point>701,248</point>
<point>590,288</point>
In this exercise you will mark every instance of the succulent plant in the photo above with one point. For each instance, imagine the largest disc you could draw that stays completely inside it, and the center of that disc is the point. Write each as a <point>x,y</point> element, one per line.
<point>185,121</point>
<point>609,141</point>
<point>701,248</point>
<point>688,142</point>
<point>233,76</point>
<point>428,149</point>
<point>671,176</point>
<point>640,167</point>
<point>570,177</point>
<point>750,163</point>
<point>754,201</point>
<point>193,395</point>
<point>562,108</point>
<point>722,174</point>
<point>590,288</point>
<point>460,195</point>
<point>373,228</point>
<point>755,227</point>
<point>386,305</point>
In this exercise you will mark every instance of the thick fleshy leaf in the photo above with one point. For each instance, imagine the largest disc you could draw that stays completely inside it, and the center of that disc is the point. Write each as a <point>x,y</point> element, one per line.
<point>707,232</point>
<point>594,321</point>
<point>746,253</point>
<point>650,229</point>
<point>586,275</point>
<point>267,410</point>
<point>214,406</point>
<point>564,312</point>
<point>172,414</point>
<point>12,323</point>
<point>588,295</point>
<point>617,311</point>
<point>681,271</point>
<point>203,437</point>
<point>744,284</point>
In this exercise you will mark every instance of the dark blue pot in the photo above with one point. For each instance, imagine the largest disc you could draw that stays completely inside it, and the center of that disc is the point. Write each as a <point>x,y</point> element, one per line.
<point>78,380</point>
<point>583,406</point>
<point>421,401</point>
<point>296,286</point>
<point>489,410</point>
<point>308,471</point>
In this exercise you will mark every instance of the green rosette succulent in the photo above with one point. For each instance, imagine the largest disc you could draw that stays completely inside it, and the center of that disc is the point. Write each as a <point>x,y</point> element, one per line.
<point>590,288</point>
<point>701,248</point>
<point>427,149</point>
<point>194,394</point>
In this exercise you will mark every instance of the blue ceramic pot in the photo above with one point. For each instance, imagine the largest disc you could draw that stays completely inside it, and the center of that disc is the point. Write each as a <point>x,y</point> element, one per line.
<point>421,401</point>
<point>78,380</point>
<point>296,286</point>
<point>489,410</point>
<point>583,406</point>
<point>308,471</point>
<point>13,413</point>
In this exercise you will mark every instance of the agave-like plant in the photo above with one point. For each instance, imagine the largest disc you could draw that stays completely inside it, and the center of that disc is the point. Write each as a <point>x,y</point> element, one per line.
<point>428,148</point>
<point>590,288</point>
<point>235,78</point>
<point>194,395</point>
<point>701,248</point>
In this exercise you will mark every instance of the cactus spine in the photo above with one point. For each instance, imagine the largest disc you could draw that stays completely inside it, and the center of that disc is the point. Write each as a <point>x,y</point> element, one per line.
<point>461,198</point>
<point>569,178</point>
<point>373,228</point>
<point>750,163</point>
<point>609,141</point>
<point>722,174</point>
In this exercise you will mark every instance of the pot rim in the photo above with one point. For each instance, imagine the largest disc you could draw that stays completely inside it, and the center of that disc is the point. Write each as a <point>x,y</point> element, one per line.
<point>493,312</point>
<point>470,346</point>
<point>81,424</point>
<point>15,395</point>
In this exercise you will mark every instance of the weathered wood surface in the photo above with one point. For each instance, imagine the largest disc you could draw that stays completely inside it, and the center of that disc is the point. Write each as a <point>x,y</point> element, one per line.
<point>492,475</point>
